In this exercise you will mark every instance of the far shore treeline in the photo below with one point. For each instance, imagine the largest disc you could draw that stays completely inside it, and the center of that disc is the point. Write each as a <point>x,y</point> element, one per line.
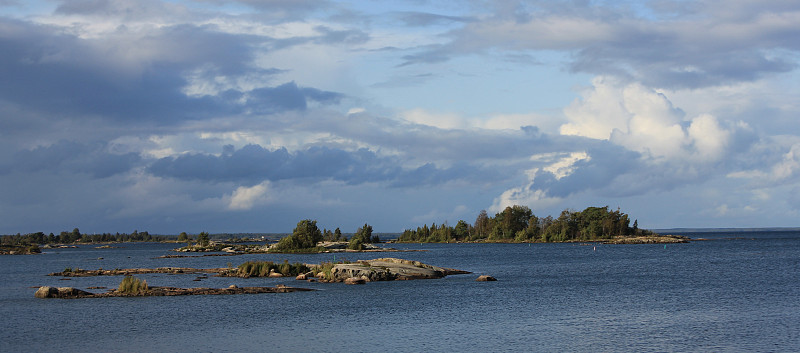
<point>75,236</point>
<point>514,224</point>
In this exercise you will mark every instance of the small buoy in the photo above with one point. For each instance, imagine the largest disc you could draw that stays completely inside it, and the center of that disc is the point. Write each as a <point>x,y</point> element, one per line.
<point>594,248</point>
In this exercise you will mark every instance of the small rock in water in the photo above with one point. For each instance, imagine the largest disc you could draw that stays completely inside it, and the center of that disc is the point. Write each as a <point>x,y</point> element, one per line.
<point>355,280</point>
<point>46,292</point>
<point>485,278</point>
<point>59,292</point>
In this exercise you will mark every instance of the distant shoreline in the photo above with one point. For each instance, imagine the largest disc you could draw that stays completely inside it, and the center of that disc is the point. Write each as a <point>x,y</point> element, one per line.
<point>725,230</point>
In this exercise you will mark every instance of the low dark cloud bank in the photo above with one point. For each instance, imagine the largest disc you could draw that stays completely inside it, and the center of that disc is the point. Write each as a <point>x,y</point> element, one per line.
<point>253,164</point>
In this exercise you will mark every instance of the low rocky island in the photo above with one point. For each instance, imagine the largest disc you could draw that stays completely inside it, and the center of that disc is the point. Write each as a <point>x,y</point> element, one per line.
<point>241,249</point>
<point>360,272</point>
<point>651,239</point>
<point>23,249</point>
<point>382,269</point>
<point>74,293</point>
<point>77,272</point>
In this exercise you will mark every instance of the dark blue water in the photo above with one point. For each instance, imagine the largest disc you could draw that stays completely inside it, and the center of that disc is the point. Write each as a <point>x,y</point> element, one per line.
<point>735,293</point>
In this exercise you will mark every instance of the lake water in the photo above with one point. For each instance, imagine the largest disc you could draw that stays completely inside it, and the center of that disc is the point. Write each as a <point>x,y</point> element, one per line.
<point>739,292</point>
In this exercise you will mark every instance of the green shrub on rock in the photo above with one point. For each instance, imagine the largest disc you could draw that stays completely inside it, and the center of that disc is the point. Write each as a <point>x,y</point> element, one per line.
<point>263,268</point>
<point>304,238</point>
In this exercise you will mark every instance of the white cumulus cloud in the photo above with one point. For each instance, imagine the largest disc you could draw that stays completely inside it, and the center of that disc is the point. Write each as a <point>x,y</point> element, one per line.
<point>244,197</point>
<point>644,120</point>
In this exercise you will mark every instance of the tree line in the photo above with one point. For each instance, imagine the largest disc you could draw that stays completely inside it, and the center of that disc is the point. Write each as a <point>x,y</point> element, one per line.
<point>518,223</point>
<point>75,236</point>
<point>514,223</point>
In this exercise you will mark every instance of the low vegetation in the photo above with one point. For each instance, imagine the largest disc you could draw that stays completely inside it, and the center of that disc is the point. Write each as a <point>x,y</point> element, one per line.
<point>264,268</point>
<point>133,285</point>
<point>363,236</point>
<point>19,249</point>
<point>326,268</point>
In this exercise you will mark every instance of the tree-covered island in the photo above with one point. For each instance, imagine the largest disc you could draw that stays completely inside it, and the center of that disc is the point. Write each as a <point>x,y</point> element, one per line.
<point>519,224</point>
<point>514,224</point>
<point>307,237</point>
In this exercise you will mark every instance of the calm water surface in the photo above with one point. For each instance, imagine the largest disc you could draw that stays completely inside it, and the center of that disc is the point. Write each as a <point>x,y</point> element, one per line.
<point>739,292</point>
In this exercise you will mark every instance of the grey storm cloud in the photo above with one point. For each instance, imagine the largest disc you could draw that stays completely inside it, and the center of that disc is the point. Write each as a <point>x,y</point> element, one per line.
<point>53,72</point>
<point>436,144</point>
<point>615,171</point>
<point>288,96</point>
<point>706,45</point>
<point>607,162</point>
<point>430,174</point>
<point>324,35</point>
<point>665,63</point>
<point>285,9</point>
<point>430,55</point>
<point>49,71</point>
<point>95,159</point>
<point>421,19</point>
<point>142,9</point>
<point>279,9</point>
<point>253,164</point>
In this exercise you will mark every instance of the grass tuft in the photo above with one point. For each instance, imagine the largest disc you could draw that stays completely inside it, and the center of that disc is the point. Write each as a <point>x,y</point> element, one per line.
<point>133,285</point>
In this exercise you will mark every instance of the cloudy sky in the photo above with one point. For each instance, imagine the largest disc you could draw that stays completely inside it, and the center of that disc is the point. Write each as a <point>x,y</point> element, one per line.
<point>250,115</point>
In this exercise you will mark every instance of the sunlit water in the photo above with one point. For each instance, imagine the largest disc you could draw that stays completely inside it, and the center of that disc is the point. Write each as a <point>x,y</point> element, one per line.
<point>739,294</point>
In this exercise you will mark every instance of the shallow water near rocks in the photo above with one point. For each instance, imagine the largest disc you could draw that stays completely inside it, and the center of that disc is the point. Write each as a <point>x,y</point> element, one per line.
<point>740,292</point>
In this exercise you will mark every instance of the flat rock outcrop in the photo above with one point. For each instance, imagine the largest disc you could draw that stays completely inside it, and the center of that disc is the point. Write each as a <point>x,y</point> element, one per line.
<point>383,269</point>
<point>341,246</point>
<point>137,271</point>
<point>661,239</point>
<point>74,293</point>
<point>61,292</point>
<point>389,269</point>
<point>355,280</point>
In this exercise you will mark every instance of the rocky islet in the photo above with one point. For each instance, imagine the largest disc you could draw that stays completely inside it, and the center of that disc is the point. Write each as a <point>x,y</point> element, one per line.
<point>361,272</point>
